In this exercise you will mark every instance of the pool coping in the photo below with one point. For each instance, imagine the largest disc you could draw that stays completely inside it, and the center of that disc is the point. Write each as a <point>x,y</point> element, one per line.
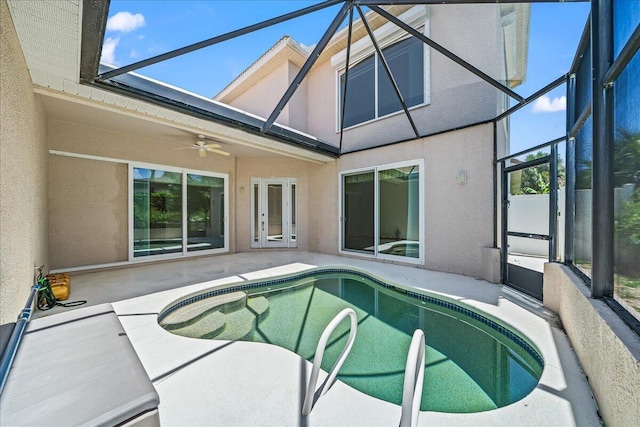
<point>562,396</point>
<point>506,331</point>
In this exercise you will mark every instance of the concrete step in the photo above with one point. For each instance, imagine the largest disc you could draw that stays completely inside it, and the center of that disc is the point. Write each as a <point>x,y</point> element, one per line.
<point>192,313</point>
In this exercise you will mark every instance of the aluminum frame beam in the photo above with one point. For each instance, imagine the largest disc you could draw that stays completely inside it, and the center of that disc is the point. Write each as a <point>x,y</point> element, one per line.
<point>393,2</point>
<point>582,46</point>
<point>324,40</point>
<point>346,78</point>
<point>548,88</point>
<point>625,55</point>
<point>388,71</point>
<point>214,40</point>
<point>602,172</point>
<point>534,148</point>
<point>445,52</point>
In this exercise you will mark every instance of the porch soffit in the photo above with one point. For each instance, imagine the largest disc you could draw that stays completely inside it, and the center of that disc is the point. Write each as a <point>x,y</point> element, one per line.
<point>50,33</point>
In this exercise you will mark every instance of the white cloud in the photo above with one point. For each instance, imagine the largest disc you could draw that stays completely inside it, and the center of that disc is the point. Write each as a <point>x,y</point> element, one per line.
<point>544,104</point>
<point>109,50</point>
<point>125,22</point>
<point>133,53</point>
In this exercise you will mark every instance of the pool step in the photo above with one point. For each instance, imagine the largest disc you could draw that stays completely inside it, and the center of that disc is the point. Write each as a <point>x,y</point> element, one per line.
<point>238,324</point>
<point>213,323</point>
<point>230,316</point>
<point>192,313</point>
<point>259,305</point>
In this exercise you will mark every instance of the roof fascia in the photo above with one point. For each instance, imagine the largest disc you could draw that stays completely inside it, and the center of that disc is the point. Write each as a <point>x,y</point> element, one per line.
<point>137,87</point>
<point>94,17</point>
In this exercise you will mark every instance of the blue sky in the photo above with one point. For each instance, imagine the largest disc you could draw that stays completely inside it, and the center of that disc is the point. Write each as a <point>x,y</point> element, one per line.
<point>140,29</point>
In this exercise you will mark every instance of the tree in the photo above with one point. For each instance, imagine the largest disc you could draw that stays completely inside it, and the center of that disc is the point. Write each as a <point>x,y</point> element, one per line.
<point>536,180</point>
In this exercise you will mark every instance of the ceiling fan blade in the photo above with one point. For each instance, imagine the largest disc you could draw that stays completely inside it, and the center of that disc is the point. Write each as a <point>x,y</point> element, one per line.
<point>213,150</point>
<point>183,148</point>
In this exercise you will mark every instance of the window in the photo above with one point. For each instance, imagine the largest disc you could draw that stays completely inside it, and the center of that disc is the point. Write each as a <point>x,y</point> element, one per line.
<point>175,211</point>
<point>406,61</point>
<point>381,211</point>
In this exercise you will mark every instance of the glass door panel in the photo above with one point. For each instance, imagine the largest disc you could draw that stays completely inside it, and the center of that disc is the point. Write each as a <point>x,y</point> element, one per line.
<point>358,212</point>
<point>274,215</point>
<point>273,212</point>
<point>399,211</point>
<point>157,212</point>
<point>205,212</point>
<point>292,215</point>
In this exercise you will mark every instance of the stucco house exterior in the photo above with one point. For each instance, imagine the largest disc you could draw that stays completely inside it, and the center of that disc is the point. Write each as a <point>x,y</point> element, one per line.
<point>97,176</point>
<point>93,143</point>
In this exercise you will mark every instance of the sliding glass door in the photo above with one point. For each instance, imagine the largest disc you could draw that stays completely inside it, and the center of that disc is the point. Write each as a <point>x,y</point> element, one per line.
<point>205,212</point>
<point>175,212</point>
<point>157,212</point>
<point>381,211</point>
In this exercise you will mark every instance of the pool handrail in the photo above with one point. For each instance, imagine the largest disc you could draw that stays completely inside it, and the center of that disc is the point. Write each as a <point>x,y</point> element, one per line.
<point>413,381</point>
<point>317,360</point>
<point>16,336</point>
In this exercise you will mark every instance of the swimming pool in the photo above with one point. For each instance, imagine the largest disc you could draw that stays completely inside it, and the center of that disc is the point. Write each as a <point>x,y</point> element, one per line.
<point>473,364</point>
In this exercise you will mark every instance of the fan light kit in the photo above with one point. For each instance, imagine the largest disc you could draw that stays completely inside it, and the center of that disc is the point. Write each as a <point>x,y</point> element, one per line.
<point>202,147</point>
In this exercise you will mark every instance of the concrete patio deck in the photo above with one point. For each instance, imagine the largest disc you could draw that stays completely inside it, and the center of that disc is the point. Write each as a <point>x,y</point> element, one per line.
<point>208,382</point>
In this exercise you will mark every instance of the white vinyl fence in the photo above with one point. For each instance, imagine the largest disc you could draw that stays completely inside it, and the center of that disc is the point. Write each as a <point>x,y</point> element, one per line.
<point>529,213</point>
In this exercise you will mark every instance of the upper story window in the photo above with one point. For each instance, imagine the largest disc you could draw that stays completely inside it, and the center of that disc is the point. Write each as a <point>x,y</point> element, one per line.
<point>370,93</point>
<point>367,100</point>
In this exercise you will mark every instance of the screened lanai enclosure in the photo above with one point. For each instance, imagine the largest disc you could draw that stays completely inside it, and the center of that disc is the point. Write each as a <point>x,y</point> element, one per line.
<point>487,151</point>
<point>564,190</point>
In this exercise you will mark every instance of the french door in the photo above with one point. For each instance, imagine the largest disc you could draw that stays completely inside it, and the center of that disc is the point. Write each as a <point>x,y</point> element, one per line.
<point>273,212</point>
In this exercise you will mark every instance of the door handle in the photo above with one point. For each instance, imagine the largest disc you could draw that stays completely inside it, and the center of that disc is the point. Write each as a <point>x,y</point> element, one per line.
<point>262,225</point>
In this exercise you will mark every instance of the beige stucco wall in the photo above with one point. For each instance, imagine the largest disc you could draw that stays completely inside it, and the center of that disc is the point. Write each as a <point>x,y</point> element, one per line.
<point>247,168</point>
<point>23,175</point>
<point>457,97</point>
<point>457,218</point>
<point>88,212</point>
<point>323,208</point>
<point>261,98</point>
<point>89,198</point>
<point>608,350</point>
<point>297,107</point>
<point>458,224</point>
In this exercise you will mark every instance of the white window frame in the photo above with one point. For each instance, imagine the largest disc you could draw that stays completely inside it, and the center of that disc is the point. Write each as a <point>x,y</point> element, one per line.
<point>386,35</point>
<point>376,220</point>
<point>185,250</point>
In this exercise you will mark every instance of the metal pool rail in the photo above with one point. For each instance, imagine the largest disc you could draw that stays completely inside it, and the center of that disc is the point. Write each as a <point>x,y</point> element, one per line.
<point>12,346</point>
<point>413,381</point>
<point>309,398</point>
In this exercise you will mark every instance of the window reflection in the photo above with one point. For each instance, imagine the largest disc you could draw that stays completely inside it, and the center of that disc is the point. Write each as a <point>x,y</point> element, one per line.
<point>205,212</point>
<point>157,212</point>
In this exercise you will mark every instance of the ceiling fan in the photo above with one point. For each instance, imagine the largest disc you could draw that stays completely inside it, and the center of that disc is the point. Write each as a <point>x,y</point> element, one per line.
<point>203,147</point>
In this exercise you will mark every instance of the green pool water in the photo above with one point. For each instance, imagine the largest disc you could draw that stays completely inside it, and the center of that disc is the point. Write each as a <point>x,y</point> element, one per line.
<point>469,367</point>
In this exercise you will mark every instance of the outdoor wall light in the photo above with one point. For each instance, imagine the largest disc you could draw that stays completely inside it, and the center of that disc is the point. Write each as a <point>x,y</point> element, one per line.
<point>242,190</point>
<point>462,177</point>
